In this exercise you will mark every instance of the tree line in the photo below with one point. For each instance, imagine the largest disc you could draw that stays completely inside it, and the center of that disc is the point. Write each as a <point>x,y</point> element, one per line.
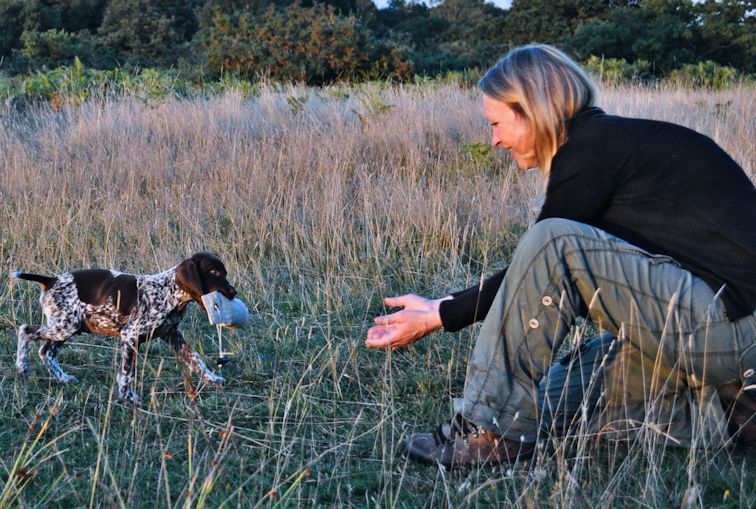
<point>330,40</point>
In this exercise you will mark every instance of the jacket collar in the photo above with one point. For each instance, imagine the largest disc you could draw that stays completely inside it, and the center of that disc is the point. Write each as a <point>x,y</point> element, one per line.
<point>583,115</point>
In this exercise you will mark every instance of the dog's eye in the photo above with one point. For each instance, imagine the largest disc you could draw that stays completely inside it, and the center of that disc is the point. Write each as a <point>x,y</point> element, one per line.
<point>214,272</point>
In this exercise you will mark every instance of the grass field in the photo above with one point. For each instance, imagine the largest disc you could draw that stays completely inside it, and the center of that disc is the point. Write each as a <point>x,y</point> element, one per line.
<point>320,202</point>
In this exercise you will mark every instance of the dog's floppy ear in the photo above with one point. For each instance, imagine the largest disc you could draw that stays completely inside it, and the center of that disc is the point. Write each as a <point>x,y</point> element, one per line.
<point>188,280</point>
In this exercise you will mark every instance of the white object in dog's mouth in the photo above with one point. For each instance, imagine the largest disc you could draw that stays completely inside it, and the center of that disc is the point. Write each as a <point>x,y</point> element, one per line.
<point>222,311</point>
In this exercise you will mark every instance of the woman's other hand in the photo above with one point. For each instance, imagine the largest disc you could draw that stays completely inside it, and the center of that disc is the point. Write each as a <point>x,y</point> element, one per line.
<point>419,318</point>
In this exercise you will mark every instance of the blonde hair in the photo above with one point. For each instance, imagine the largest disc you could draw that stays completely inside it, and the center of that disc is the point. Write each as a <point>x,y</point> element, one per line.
<point>546,87</point>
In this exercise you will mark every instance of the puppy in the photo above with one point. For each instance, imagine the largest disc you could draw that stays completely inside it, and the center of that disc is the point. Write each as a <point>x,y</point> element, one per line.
<point>134,308</point>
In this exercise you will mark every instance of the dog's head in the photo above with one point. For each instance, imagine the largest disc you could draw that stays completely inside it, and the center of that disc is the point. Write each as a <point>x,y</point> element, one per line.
<point>203,273</point>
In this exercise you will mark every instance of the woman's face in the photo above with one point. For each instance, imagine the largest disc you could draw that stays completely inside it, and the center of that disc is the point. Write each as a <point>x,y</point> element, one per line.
<point>510,131</point>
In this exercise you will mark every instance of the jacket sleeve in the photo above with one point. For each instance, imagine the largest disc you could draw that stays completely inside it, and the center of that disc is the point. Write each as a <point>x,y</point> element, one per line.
<point>470,305</point>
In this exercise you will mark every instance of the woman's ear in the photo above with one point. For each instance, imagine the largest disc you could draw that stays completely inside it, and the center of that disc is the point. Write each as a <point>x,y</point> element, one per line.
<point>188,280</point>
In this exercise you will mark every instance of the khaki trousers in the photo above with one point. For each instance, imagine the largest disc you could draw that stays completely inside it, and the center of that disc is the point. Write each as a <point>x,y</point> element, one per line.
<point>673,343</point>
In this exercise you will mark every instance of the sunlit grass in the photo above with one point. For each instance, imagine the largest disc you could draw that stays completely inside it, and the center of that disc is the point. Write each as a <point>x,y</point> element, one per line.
<point>320,202</point>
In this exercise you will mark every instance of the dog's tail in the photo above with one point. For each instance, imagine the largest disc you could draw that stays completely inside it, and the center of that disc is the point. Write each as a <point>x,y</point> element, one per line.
<point>46,281</point>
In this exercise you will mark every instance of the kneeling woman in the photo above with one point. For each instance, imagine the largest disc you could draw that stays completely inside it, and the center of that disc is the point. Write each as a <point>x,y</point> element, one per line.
<point>647,228</point>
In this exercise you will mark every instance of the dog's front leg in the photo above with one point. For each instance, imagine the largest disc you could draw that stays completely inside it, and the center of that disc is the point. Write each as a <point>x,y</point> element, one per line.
<point>127,370</point>
<point>192,358</point>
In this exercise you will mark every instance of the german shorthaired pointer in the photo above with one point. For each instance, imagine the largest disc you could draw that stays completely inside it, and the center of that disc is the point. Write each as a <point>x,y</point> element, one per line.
<point>134,308</point>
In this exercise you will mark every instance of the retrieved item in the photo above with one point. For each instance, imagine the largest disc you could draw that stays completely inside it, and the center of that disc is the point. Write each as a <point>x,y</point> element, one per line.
<point>225,312</point>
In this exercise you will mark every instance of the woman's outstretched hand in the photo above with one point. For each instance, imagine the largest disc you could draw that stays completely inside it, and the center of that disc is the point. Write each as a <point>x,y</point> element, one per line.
<point>419,318</point>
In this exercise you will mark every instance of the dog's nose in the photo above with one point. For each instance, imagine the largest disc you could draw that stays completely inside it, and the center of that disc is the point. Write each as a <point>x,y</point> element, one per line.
<point>231,292</point>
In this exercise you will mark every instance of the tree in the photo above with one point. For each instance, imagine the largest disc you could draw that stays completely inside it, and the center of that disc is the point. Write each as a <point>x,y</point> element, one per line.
<point>313,45</point>
<point>475,33</point>
<point>728,30</point>
<point>147,33</point>
<point>53,48</point>
<point>11,26</point>
<point>453,35</point>
<point>550,21</point>
<point>47,32</point>
<point>663,32</point>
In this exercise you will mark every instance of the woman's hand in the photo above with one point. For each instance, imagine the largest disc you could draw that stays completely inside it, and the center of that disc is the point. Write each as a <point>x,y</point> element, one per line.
<point>419,318</point>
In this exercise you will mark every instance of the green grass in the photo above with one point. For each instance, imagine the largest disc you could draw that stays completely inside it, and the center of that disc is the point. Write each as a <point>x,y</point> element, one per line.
<point>318,213</point>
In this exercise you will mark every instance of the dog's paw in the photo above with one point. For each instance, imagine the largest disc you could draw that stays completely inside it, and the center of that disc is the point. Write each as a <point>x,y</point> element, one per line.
<point>22,371</point>
<point>130,398</point>
<point>213,379</point>
<point>68,379</point>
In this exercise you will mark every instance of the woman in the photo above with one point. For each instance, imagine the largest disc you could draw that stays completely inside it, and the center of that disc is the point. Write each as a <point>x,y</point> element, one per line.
<point>647,228</point>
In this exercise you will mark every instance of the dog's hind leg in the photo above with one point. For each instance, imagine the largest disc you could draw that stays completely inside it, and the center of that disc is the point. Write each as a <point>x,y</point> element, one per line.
<point>26,334</point>
<point>127,370</point>
<point>48,352</point>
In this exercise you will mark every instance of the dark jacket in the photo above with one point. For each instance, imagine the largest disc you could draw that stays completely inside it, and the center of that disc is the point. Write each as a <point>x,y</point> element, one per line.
<point>660,186</point>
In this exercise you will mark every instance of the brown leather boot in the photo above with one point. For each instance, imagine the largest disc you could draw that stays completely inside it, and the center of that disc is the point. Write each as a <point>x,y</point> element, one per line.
<point>740,409</point>
<point>459,443</point>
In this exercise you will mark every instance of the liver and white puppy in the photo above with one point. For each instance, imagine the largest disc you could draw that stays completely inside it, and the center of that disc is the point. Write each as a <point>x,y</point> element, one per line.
<point>134,308</point>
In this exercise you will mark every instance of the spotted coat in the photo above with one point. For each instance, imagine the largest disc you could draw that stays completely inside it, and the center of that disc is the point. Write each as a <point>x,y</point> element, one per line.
<point>134,308</point>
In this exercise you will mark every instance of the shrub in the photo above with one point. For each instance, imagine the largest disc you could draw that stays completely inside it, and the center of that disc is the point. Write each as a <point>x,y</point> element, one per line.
<point>706,74</point>
<point>616,70</point>
<point>53,48</point>
<point>77,83</point>
<point>7,89</point>
<point>313,45</point>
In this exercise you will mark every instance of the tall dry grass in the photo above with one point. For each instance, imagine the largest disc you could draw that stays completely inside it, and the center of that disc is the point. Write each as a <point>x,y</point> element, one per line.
<point>320,202</point>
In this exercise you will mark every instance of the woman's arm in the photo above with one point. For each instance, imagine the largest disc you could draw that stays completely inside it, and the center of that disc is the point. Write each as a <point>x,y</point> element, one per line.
<point>471,305</point>
<point>422,316</point>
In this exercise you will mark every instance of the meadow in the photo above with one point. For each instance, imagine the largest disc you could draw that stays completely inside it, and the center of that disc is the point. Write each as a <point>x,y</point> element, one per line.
<point>320,202</point>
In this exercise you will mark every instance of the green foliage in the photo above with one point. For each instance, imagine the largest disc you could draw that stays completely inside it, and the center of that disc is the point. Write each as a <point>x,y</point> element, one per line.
<point>7,89</point>
<point>453,35</point>
<point>474,33</point>
<point>70,82</point>
<point>312,45</point>
<point>297,103</point>
<point>77,83</point>
<point>670,33</point>
<point>550,21</point>
<point>463,79</point>
<point>147,33</point>
<point>706,74</point>
<point>318,42</point>
<point>48,30</point>
<point>617,70</point>
<point>479,153</point>
<point>664,38</point>
<point>728,29</point>
<point>231,83</point>
<point>54,47</point>
<point>375,105</point>
<point>11,26</point>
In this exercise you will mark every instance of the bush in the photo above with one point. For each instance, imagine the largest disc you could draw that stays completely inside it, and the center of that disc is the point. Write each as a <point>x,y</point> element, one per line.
<point>616,70</point>
<point>706,74</point>
<point>77,83</point>
<point>53,48</point>
<point>7,89</point>
<point>313,45</point>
